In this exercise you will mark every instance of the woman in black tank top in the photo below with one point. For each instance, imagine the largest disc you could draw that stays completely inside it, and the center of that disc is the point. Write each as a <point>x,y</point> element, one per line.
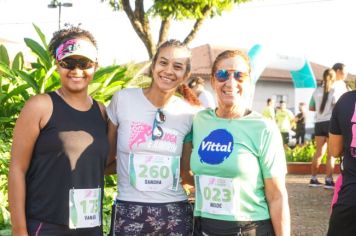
<point>60,148</point>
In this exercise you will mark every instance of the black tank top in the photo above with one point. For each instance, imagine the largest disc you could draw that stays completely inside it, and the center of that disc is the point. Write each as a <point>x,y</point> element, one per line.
<point>70,152</point>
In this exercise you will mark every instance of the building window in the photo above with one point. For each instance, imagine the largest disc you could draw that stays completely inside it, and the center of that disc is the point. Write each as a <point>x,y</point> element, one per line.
<point>280,97</point>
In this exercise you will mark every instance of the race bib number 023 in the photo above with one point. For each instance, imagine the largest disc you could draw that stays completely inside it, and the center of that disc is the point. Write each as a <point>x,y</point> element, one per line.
<point>215,195</point>
<point>154,173</point>
<point>84,208</point>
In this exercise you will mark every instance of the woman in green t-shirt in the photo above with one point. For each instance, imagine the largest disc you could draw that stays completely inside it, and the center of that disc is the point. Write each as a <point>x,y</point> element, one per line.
<point>237,160</point>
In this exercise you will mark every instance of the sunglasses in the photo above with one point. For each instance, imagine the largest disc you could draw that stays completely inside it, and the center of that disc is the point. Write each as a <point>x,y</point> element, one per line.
<point>157,131</point>
<point>224,75</point>
<point>71,64</point>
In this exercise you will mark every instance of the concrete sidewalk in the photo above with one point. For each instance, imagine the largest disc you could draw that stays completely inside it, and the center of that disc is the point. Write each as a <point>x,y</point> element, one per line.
<point>310,207</point>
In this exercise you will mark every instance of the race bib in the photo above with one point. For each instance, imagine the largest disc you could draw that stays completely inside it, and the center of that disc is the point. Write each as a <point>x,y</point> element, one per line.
<point>215,195</point>
<point>153,172</point>
<point>84,208</point>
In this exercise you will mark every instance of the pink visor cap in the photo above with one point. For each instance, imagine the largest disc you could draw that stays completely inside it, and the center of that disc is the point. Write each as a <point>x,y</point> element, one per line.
<point>77,47</point>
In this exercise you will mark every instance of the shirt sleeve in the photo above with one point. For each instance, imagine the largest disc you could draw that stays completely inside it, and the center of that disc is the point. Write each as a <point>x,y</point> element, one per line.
<point>112,109</point>
<point>189,137</point>
<point>312,103</point>
<point>272,157</point>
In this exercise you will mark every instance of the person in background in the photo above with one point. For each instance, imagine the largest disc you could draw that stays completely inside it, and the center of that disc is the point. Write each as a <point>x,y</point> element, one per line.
<point>284,119</point>
<point>269,110</point>
<point>205,97</point>
<point>342,142</point>
<point>147,128</point>
<point>300,124</point>
<point>322,102</point>
<point>339,86</point>
<point>238,160</point>
<point>60,148</point>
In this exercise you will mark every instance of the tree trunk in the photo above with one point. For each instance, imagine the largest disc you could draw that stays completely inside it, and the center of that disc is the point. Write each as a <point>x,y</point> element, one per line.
<point>164,30</point>
<point>140,23</point>
<point>197,25</point>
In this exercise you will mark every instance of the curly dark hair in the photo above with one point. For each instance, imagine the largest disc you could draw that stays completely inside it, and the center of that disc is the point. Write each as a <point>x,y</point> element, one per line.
<point>65,34</point>
<point>188,95</point>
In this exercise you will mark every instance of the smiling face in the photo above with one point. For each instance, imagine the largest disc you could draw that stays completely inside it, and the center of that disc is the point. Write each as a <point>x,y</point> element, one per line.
<point>76,80</point>
<point>233,90</point>
<point>170,68</point>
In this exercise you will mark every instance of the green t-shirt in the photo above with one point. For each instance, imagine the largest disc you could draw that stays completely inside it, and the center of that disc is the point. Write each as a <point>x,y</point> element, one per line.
<point>230,160</point>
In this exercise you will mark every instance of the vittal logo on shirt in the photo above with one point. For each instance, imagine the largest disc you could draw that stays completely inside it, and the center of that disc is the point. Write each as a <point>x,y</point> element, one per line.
<point>216,147</point>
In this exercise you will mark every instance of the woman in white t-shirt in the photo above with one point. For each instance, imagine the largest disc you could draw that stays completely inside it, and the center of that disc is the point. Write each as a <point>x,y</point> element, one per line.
<point>322,102</point>
<point>147,128</point>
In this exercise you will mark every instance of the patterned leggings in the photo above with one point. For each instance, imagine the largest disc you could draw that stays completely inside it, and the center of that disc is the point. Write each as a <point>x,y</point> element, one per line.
<point>153,219</point>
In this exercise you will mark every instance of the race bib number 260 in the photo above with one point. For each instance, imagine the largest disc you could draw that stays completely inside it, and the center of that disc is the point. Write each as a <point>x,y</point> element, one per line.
<point>154,173</point>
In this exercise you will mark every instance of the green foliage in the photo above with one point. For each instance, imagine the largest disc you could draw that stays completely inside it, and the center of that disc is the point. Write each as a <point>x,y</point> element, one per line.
<point>302,153</point>
<point>184,9</point>
<point>138,74</point>
<point>190,9</point>
<point>110,195</point>
<point>106,81</point>
<point>4,56</point>
<point>4,171</point>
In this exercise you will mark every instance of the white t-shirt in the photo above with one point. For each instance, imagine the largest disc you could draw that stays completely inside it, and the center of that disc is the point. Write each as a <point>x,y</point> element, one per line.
<point>206,99</point>
<point>329,105</point>
<point>134,114</point>
<point>339,87</point>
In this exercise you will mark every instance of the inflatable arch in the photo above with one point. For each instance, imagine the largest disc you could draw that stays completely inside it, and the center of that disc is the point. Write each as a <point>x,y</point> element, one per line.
<point>302,75</point>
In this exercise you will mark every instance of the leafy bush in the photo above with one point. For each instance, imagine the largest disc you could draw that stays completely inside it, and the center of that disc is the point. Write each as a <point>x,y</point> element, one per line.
<point>4,171</point>
<point>304,153</point>
<point>110,191</point>
<point>301,153</point>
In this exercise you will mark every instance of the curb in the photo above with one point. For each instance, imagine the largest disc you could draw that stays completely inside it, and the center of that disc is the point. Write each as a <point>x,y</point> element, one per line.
<point>304,168</point>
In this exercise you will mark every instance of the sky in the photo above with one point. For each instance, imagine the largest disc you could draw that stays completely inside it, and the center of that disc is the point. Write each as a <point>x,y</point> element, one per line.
<point>318,30</point>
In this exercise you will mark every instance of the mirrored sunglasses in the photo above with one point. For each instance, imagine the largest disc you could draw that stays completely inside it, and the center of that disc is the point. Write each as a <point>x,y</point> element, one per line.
<point>157,131</point>
<point>71,64</point>
<point>223,75</point>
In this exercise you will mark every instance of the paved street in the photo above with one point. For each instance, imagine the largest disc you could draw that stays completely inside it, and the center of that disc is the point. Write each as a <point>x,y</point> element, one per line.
<point>309,206</point>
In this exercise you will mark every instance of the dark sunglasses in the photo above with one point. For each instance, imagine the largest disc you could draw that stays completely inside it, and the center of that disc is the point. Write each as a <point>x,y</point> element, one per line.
<point>223,75</point>
<point>157,131</point>
<point>71,64</point>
